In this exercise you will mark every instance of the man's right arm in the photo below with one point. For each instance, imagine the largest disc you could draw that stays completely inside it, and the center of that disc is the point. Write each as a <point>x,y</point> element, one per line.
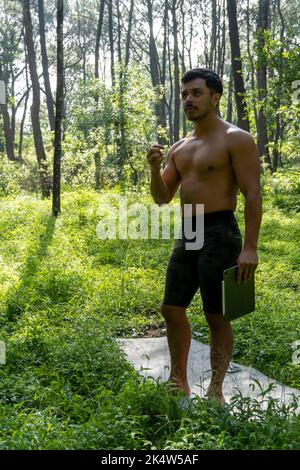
<point>163,185</point>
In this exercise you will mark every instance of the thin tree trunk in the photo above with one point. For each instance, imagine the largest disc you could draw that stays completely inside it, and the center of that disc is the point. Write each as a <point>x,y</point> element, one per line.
<point>218,51</point>
<point>121,139</point>
<point>190,41</point>
<point>111,42</point>
<point>277,142</point>
<point>128,38</point>
<point>213,38</point>
<point>229,100</point>
<point>155,73</point>
<point>9,144</point>
<point>119,32</point>
<point>13,107</point>
<point>280,143</point>
<point>221,61</point>
<point>20,145</point>
<point>164,140</point>
<point>236,63</point>
<point>251,63</point>
<point>49,99</point>
<point>262,130</point>
<point>59,110</point>
<point>13,76</point>
<point>81,33</point>
<point>183,62</point>
<point>176,74</point>
<point>35,108</point>
<point>98,37</point>
<point>97,158</point>
<point>204,19</point>
<point>170,107</point>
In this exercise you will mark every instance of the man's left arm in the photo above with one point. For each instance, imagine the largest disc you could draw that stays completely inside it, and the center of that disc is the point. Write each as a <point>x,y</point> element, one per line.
<point>246,166</point>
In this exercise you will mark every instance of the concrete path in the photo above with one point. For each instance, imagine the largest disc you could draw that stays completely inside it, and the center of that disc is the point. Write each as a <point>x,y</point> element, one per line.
<point>150,356</point>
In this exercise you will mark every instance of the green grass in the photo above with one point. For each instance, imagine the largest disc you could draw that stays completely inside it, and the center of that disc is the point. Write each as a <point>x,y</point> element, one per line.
<point>66,294</point>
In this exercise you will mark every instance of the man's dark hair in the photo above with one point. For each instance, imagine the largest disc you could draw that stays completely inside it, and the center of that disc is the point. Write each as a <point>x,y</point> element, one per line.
<point>212,80</point>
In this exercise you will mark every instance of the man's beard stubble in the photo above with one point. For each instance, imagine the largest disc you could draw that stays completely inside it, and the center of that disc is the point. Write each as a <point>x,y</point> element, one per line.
<point>198,117</point>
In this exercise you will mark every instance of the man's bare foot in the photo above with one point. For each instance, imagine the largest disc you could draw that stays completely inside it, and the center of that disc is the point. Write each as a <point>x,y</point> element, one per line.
<point>175,387</point>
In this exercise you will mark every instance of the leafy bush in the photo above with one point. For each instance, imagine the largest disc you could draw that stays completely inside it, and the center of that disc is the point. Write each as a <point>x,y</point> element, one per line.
<point>65,294</point>
<point>9,177</point>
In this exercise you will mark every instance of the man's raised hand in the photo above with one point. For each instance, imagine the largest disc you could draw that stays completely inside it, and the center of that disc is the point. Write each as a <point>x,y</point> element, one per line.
<point>155,157</point>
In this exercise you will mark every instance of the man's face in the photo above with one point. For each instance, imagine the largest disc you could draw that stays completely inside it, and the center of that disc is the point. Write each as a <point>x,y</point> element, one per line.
<point>197,99</point>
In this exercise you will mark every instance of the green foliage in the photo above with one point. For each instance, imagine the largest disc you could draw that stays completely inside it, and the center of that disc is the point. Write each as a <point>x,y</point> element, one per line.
<point>241,425</point>
<point>284,183</point>
<point>134,113</point>
<point>65,294</point>
<point>117,125</point>
<point>282,59</point>
<point>9,176</point>
<point>284,187</point>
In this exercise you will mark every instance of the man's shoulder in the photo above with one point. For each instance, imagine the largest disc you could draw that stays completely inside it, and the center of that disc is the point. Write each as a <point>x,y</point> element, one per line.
<point>177,144</point>
<point>236,137</point>
<point>236,134</point>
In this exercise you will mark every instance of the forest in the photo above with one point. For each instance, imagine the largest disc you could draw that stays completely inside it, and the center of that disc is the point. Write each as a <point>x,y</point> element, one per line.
<point>86,88</point>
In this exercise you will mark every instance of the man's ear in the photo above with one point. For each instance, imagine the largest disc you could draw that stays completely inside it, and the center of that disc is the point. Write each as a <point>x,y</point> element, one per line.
<point>216,99</point>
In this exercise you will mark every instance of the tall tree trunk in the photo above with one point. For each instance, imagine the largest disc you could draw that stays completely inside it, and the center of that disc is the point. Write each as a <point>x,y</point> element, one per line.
<point>176,74</point>
<point>112,60</point>
<point>9,144</point>
<point>13,106</point>
<point>204,20</point>
<point>119,35</point>
<point>251,63</point>
<point>280,143</point>
<point>229,100</point>
<point>128,38</point>
<point>81,34</point>
<point>191,31</point>
<point>221,59</point>
<point>236,63</point>
<point>217,51</point>
<point>262,130</point>
<point>183,62</point>
<point>97,157</point>
<point>21,132</point>
<point>98,36</point>
<point>170,107</point>
<point>49,99</point>
<point>121,139</point>
<point>277,143</point>
<point>35,108</point>
<point>155,73</point>
<point>163,71</point>
<point>20,145</point>
<point>164,53</point>
<point>111,42</point>
<point>213,38</point>
<point>59,109</point>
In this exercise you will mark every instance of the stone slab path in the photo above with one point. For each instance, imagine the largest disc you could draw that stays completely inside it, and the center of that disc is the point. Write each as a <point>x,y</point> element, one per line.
<point>150,356</point>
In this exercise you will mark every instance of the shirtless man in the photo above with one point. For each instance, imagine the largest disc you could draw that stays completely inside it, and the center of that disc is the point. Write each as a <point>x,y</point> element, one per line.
<point>210,165</point>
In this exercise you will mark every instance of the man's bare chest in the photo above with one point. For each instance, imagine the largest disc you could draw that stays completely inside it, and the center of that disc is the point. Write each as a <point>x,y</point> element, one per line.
<point>201,158</point>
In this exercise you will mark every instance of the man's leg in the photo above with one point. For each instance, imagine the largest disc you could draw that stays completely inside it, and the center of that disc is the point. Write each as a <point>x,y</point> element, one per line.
<point>179,340</point>
<point>220,353</point>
